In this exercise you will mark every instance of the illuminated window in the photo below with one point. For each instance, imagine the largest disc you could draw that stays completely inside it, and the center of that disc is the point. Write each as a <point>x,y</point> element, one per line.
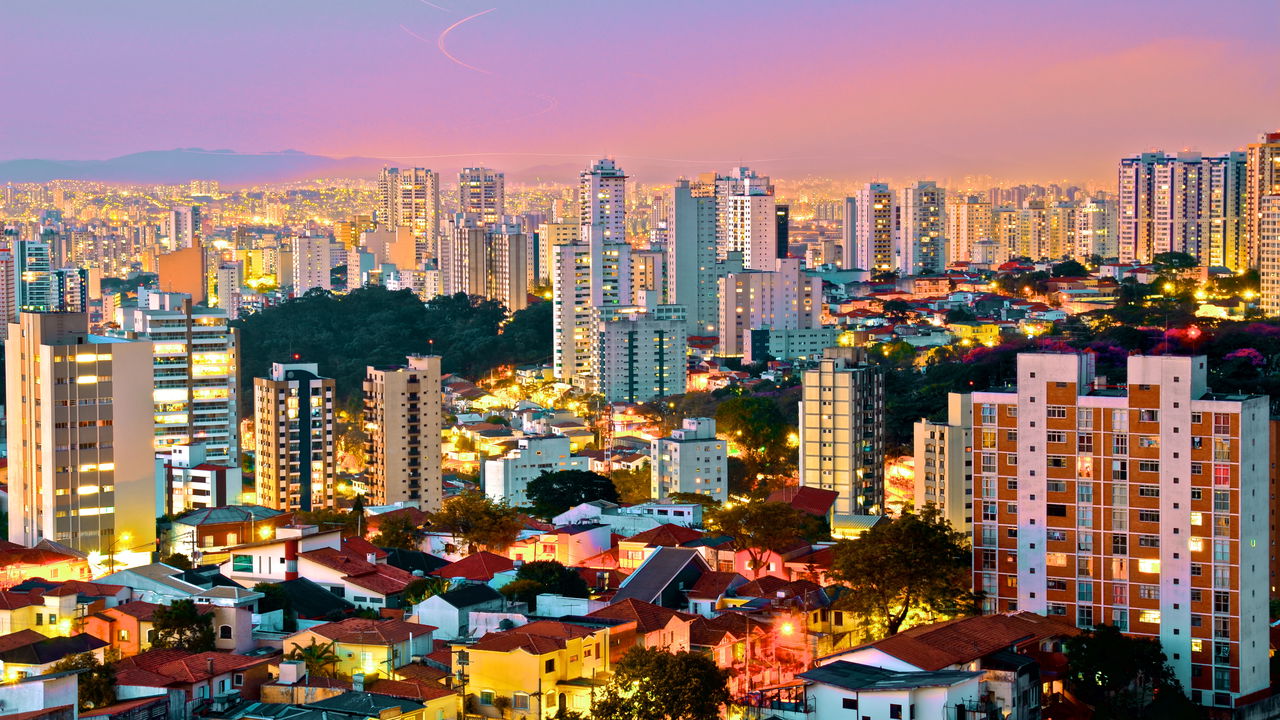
<point>1149,566</point>
<point>1150,616</point>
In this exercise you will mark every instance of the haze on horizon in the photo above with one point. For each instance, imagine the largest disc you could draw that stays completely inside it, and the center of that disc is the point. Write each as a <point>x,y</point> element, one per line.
<point>843,89</point>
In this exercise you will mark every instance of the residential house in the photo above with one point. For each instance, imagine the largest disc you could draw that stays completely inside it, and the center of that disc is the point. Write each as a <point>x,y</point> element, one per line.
<point>205,533</point>
<point>708,595</point>
<point>28,653</point>
<point>633,551</point>
<point>190,680</point>
<point>645,625</point>
<point>450,612</point>
<point>368,647</point>
<point>40,697</point>
<point>483,566</point>
<point>49,615</point>
<point>568,545</point>
<point>664,577</point>
<point>47,560</point>
<point>850,689</point>
<point>129,629</point>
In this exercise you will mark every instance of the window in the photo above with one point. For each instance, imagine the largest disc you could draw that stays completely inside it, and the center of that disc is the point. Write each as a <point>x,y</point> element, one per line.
<point>1221,501</point>
<point>1084,591</point>
<point>1148,415</point>
<point>1148,565</point>
<point>1056,584</point>
<point>1084,492</point>
<point>1056,411</point>
<point>1222,551</point>
<point>1084,616</point>
<point>988,439</point>
<point>1151,541</point>
<point>1120,444</point>
<point>895,711</point>
<point>1150,516</point>
<point>1084,418</point>
<point>1056,510</point>
<point>237,680</point>
<point>1119,544</point>
<point>1055,436</point>
<point>988,414</point>
<point>1221,424</point>
<point>1057,462</point>
<point>242,563</point>
<point>520,701</point>
<point>1151,491</point>
<point>1056,534</point>
<point>1149,592</point>
<point>1149,466</point>
<point>1221,602</point>
<point>849,703</point>
<point>1084,516</point>
<point>224,632</point>
<point>1221,453</point>
<point>1119,470</point>
<point>1057,609</point>
<point>549,666</point>
<point>1120,618</point>
<point>1150,616</point>
<point>1055,559</point>
<point>486,698</point>
<point>1056,486</point>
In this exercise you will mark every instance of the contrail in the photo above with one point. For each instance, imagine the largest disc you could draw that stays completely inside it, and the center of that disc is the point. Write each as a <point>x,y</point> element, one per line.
<point>451,28</point>
<point>431,4</point>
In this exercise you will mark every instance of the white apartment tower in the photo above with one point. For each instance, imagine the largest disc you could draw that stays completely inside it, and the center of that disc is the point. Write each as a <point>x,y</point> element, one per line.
<point>481,191</point>
<point>923,229</point>
<point>690,460</point>
<point>312,261</point>
<point>1141,507</point>
<point>842,434</point>
<point>691,258</point>
<point>402,414</point>
<point>81,468</point>
<point>194,370</point>
<point>638,354</point>
<point>969,224</point>
<point>944,463</point>
<point>410,197</point>
<point>295,457</point>
<point>786,298</point>
<point>1262,178</point>
<point>1096,229</point>
<point>870,229</point>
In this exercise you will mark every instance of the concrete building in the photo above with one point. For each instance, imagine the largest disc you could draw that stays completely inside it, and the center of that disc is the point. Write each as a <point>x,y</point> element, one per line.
<point>410,197</point>
<point>1096,229</point>
<point>1137,507</point>
<point>196,374</point>
<point>508,477</point>
<point>1268,229</point>
<point>489,261</point>
<point>184,271</point>
<point>870,219</point>
<point>692,269</point>
<point>312,261</point>
<point>229,284</point>
<point>638,354</point>
<point>784,298</point>
<point>922,231</point>
<point>81,468</point>
<point>187,480</point>
<point>295,464</point>
<point>550,236</point>
<point>403,419</point>
<point>691,460</point>
<point>794,344</point>
<point>944,463</point>
<point>1184,203</point>
<point>482,191</point>
<point>969,222</point>
<point>750,228</point>
<point>842,434</point>
<point>182,226</point>
<point>1262,178</point>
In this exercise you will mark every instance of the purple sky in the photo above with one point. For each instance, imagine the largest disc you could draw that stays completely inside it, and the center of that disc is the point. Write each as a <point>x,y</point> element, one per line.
<point>1018,89</point>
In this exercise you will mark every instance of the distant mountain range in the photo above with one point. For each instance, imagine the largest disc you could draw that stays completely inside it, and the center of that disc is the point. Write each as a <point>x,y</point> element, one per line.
<point>185,164</point>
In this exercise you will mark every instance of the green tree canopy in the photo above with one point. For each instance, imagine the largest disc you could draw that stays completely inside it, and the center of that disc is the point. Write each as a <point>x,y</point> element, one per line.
<point>321,659</point>
<point>177,560</point>
<point>758,426</point>
<point>478,521</point>
<point>1173,261</point>
<point>1124,677</point>
<point>544,576</point>
<point>1069,268</point>
<point>634,486</point>
<point>552,493</point>
<point>652,684</point>
<point>914,565</point>
<point>97,682</point>
<point>758,527</point>
<point>181,625</point>
<point>399,532</point>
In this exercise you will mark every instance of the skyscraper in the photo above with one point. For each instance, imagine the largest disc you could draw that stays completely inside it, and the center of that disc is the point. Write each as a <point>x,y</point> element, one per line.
<point>750,228</point>
<point>403,419</point>
<point>81,469</point>
<point>1188,203</point>
<point>1262,178</point>
<point>312,262</point>
<point>1142,508</point>
<point>842,434</point>
<point>786,298</point>
<point>637,353</point>
<point>691,258</point>
<point>969,222</point>
<point>182,225</point>
<point>410,197</point>
<point>1096,229</point>
<point>293,435</point>
<point>481,191</point>
<point>923,229</point>
<point>869,229</point>
<point>486,261</point>
<point>195,372</point>
<point>36,288</point>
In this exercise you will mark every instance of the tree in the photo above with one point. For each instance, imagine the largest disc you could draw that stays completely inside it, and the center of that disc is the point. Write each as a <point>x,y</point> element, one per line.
<point>960,315</point>
<point>181,625</point>
<point>424,587</point>
<point>896,310</point>
<point>634,486</point>
<point>694,498</point>
<point>759,527</point>
<point>177,560</point>
<point>97,682</point>
<point>552,493</point>
<point>1123,676</point>
<point>757,425</point>
<point>329,518</point>
<point>916,565</point>
<point>652,684</point>
<point>277,599</point>
<point>1173,261</point>
<point>321,659</point>
<point>544,576</point>
<point>478,521</point>
<point>397,531</point>
<point>1069,268</point>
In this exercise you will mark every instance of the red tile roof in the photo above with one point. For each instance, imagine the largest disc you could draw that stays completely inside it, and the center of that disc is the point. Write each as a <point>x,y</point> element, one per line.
<point>647,616</point>
<point>941,645</point>
<point>363,631</point>
<point>377,577</point>
<point>81,587</point>
<point>162,668</point>
<point>556,629</point>
<point>713,585</point>
<point>31,714</point>
<point>13,600</point>
<point>409,689</point>
<point>665,536</point>
<point>481,566</point>
<point>511,640</point>
<point>22,638</point>
<point>814,501</point>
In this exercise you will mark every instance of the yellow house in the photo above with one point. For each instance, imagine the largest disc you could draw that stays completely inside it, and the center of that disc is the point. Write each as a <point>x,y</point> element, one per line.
<point>373,648</point>
<point>535,669</point>
<point>50,615</point>
<point>975,333</point>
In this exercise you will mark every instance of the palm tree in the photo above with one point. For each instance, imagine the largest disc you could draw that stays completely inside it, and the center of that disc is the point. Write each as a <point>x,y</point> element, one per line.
<point>321,659</point>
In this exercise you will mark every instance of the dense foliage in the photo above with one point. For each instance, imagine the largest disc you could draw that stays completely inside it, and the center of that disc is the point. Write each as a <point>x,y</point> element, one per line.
<point>1124,677</point>
<point>374,326</point>
<point>97,684</point>
<point>181,625</point>
<point>760,528</point>
<point>653,684</point>
<point>478,521</point>
<point>552,493</point>
<point>915,566</point>
<point>544,576</point>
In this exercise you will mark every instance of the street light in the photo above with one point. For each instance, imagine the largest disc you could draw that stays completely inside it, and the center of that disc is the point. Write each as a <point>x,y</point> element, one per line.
<point>111,549</point>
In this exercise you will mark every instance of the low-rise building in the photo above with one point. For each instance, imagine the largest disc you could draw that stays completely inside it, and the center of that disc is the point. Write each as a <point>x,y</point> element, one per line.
<point>367,647</point>
<point>691,460</point>
<point>508,477</point>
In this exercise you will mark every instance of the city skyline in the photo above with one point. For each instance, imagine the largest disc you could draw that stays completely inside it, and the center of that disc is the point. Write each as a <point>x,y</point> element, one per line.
<point>1002,90</point>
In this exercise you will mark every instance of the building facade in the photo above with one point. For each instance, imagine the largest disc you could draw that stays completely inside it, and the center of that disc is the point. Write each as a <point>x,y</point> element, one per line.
<point>402,416</point>
<point>690,460</point>
<point>944,463</point>
<point>1131,506</point>
<point>295,464</point>
<point>482,191</point>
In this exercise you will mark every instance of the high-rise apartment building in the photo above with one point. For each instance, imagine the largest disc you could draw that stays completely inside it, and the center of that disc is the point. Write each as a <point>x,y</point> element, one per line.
<point>692,270</point>
<point>229,284</point>
<point>1095,229</point>
<point>182,226</point>
<point>312,261</point>
<point>410,197</point>
<point>1268,229</point>
<point>507,478</point>
<point>403,419</point>
<point>786,298</point>
<point>638,354</point>
<point>79,411</point>
<point>750,228</point>
<point>870,229</point>
<point>922,232</point>
<point>842,434</point>
<point>690,460</point>
<point>593,273</point>
<point>1141,507</point>
<point>969,223</point>
<point>489,261</point>
<point>35,286</point>
<point>195,372</point>
<point>550,236</point>
<point>944,463</point>
<point>1185,203</point>
<point>295,464</point>
<point>1262,178</point>
<point>481,191</point>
